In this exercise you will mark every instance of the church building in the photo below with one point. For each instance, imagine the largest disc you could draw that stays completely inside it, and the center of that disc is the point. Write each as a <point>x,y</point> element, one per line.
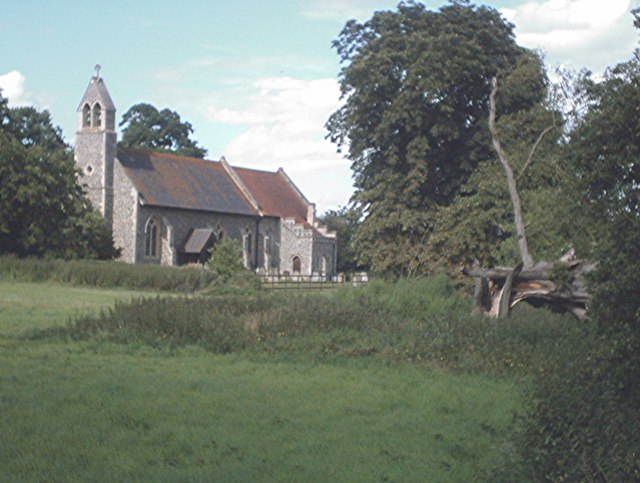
<point>170,210</point>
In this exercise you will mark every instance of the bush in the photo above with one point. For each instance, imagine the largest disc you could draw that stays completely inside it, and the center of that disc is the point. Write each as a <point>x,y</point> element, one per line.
<point>585,424</point>
<point>226,259</point>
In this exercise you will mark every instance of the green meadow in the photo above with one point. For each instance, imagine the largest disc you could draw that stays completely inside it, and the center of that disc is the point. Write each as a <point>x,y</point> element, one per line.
<point>100,407</point>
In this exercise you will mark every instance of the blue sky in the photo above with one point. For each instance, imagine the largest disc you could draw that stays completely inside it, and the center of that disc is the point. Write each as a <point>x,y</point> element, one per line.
<point>256,79</point>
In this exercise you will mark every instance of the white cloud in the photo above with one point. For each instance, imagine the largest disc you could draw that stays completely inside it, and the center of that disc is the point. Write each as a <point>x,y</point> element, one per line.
<point>284,127</point>
<point>581,33</point>
<point>13,88</point>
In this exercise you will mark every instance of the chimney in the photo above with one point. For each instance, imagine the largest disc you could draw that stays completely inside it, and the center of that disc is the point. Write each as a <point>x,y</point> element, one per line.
<point>311,214</point>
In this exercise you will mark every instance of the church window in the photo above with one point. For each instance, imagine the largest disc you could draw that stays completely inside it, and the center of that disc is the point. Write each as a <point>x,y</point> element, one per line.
<point>151,238</point>
<point>297,265</point>
<point>96,115</point>
<point>267,252</point>
<point>246,249</point>
<point>86,116</point>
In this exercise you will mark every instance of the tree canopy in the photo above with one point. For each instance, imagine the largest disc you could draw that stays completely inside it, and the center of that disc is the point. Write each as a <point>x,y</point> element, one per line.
<point>148,128</point>
<point>416,86</point>
<point>344,221</point>
<point>43,210</point>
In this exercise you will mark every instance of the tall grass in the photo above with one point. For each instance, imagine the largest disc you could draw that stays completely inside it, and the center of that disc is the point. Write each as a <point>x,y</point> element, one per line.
<point>106,274</point>
<point>425,322</point>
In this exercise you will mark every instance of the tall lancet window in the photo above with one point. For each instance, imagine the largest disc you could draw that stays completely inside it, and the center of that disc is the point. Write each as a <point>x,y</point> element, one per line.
<point>86,116</point>
<point>151,239</point>
<point>96,115</point>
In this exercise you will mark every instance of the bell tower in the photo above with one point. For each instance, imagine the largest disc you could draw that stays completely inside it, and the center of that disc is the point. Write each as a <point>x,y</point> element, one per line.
<point>96,142</point>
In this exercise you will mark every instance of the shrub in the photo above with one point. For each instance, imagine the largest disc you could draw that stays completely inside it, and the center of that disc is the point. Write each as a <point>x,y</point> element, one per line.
<point>585,424</point>
<point>226,259</point>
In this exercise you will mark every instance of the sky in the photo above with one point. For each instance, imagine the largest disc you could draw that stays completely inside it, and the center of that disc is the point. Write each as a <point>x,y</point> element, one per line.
<point>256,79</point>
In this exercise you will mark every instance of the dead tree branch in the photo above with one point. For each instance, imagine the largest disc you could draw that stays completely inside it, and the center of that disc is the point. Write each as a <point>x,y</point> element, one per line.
<point>527,260</point>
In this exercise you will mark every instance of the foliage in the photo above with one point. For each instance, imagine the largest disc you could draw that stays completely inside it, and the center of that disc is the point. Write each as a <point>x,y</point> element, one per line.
<point>42,208</point>
<point>416,90</point>
<point>584,425</point>
<point>478,226</point>
<point>345,222</point>
<point>107,274</point>
<point>148,128</point>
<point>226,259</point>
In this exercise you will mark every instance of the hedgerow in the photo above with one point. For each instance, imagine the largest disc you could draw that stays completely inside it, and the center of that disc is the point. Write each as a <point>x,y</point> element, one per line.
<point>106,274</point>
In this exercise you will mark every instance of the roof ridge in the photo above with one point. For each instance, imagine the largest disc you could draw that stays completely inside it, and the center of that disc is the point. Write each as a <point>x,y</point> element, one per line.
<point>257,170</point>
<point>168,154</point>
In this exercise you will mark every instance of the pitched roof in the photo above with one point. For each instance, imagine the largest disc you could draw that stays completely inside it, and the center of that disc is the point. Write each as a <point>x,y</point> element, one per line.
<point>97,92</point>
<point>274,193</point>
<point>174,181</point>
<point>197,239</point>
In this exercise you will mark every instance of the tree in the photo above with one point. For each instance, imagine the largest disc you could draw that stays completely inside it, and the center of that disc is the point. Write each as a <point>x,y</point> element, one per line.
<point>345,221</point>
<point>606,148</point>
<point>42,208</point>
<point>589,409</point>
<point>414,121</point>
<point>147,128</point>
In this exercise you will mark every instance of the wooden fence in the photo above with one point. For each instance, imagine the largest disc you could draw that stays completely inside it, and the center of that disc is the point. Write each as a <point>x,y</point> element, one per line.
<point>312,282</point>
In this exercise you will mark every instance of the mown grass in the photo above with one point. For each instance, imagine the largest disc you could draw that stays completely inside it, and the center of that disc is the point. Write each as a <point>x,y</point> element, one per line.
<point>154,408</point>
<point>194,416</point>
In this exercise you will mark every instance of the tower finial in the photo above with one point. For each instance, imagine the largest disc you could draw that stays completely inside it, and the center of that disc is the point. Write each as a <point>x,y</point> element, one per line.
<point>97,68</point>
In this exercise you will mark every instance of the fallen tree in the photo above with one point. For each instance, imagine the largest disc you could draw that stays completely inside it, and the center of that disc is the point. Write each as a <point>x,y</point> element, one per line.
<point>561,284</point>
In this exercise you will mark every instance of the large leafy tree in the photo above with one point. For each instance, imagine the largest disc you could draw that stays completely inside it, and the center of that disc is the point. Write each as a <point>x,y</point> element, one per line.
<point>42,208</point>
<point>416,86</point>
<point>146,127</point>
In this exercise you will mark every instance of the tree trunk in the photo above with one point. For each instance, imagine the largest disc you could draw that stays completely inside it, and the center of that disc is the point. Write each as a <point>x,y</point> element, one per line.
<point>527,260</point>
<point>562,285</point>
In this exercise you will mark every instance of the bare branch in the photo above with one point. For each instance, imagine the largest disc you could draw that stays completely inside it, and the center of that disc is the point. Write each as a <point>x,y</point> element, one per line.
<point>535,146</point>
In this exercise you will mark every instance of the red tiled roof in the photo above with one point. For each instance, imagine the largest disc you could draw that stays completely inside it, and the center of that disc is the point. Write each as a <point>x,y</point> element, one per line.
<point>274,194</point>
<point>170,180</point>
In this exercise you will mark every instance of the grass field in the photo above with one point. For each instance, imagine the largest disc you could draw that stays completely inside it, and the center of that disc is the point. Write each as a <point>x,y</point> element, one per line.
<point>96,410</point>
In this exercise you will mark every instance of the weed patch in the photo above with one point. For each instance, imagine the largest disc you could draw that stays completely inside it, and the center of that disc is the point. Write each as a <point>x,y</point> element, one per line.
<point>425,322</point>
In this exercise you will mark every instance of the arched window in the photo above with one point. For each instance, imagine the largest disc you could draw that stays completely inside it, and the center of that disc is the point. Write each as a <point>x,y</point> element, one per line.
<point>86,116</point>
<point>96,115</point>
<point>297,265</point>
<point>267,252</point>
<point>323,265</point>
<point>246,249</point>
<point>151,238</point>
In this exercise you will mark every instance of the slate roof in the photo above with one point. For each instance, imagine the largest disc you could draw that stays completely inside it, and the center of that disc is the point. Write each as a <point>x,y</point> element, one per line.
<point>174,181</point>
<point>274,193</point>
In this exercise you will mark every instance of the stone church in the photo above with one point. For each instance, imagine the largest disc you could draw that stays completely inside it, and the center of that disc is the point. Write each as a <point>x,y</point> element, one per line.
<point>170,210</point>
